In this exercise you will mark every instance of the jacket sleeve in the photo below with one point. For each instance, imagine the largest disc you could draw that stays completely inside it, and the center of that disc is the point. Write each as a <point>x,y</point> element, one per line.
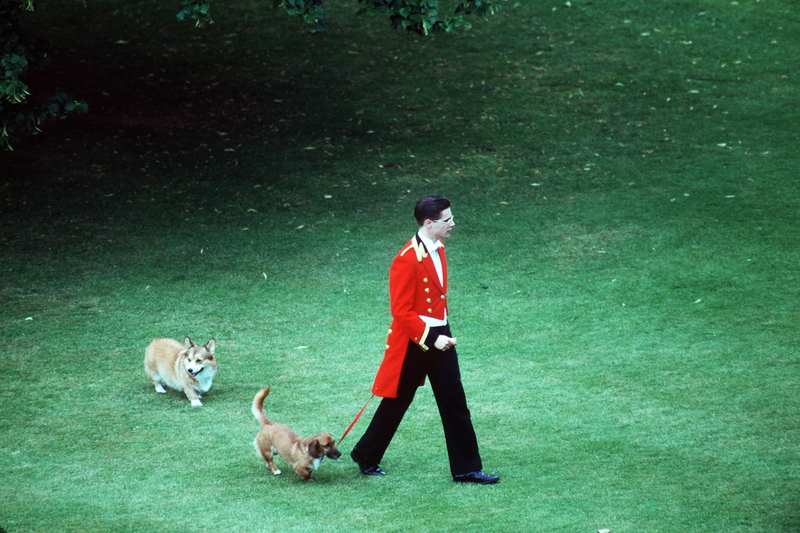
<point>404,275</point>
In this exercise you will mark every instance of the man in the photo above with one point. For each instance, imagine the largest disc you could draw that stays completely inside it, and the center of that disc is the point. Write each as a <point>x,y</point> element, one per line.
<point>420,344</point>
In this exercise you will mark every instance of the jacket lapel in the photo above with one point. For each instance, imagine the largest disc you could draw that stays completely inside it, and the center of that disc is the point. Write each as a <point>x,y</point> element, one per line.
<point>444,268</point>
<point>430,268</point>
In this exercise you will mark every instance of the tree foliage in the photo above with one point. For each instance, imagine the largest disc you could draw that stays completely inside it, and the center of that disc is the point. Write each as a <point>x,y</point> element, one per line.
<point>21,110</point>
<point>19,58</point>
<point>420,16</point>
<point>423,16</point>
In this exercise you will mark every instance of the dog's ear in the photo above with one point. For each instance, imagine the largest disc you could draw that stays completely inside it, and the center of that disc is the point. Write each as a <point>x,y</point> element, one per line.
<point>314,447</point>
<point>211,345</point>
<point>187,342</point>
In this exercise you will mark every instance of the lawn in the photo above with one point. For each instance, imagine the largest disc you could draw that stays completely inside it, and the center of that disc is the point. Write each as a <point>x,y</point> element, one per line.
<point>624,270</point>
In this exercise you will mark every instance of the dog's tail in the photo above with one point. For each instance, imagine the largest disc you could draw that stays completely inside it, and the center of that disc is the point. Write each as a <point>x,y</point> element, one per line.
<point>258,407</point>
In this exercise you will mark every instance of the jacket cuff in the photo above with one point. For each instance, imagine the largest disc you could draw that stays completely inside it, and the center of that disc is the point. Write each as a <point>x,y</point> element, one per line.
<point>429,339</point>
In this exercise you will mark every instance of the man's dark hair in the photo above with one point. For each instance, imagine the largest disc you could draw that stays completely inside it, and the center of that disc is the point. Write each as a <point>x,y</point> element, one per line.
<point>430,207</point>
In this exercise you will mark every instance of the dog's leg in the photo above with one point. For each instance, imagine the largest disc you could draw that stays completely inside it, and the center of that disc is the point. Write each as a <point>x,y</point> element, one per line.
<point>266,452</point>
<point>271,466</point>
<point>192,395</point>
<point>271,463</point>
<point>304,472</point>
<point>155,378</point>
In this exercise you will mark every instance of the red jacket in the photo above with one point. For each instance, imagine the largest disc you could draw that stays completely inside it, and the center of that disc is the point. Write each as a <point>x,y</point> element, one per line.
<point>414,290</point>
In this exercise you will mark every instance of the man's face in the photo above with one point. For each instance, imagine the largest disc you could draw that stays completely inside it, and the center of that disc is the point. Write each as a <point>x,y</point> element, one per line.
<point>442,226</point>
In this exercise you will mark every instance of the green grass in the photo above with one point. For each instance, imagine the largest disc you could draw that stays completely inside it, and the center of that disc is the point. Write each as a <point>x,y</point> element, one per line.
<point>624,268</point>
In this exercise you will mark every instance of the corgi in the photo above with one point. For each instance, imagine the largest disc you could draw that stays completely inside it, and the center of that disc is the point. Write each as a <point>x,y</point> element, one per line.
<point>185,367</point>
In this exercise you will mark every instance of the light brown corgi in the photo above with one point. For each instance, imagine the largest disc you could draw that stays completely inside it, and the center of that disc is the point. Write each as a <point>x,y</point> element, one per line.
<point>185,367</point>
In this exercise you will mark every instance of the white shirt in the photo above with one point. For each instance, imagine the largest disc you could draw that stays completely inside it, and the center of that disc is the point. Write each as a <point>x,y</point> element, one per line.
<point>433,250</point>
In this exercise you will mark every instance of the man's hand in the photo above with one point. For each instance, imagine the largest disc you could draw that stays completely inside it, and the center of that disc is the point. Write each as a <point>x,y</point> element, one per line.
<point>445,343</point>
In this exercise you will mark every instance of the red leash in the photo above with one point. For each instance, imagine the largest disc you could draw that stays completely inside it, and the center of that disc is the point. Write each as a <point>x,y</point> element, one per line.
<point>353,423</point>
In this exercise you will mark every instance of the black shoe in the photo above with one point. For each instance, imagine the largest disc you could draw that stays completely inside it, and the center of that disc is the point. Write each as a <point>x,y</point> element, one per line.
<point>476,477</point>
<point>367,467</point>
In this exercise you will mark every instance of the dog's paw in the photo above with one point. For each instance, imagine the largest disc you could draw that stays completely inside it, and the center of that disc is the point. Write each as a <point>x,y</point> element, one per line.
<point>160,388</point>
<point>197,403</point>
<point>277,472</point>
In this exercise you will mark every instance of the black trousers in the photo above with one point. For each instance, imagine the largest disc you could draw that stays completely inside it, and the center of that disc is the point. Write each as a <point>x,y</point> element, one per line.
<point>442,371</point>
